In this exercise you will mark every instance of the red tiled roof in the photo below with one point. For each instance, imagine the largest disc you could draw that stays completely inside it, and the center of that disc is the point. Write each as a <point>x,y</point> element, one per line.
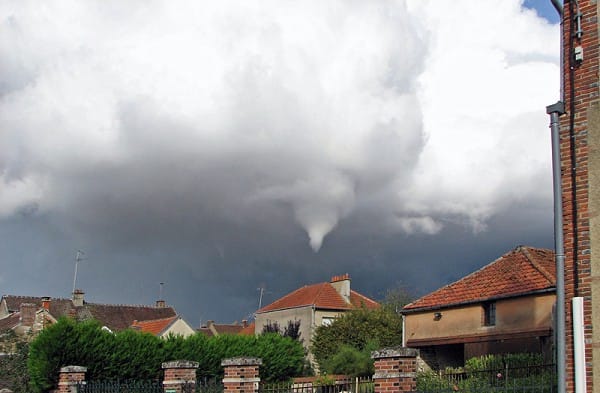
<point>154,326</point>
<point>518,272</point>
<point>322,296</point>
<point>10,322</point>
<point>119,317</point>
<point>113,316</point>
<point>58,307</point>
<point>233,328</point>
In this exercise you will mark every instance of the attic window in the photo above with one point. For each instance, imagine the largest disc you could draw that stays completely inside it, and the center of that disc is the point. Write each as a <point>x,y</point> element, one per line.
<point>489,314</point>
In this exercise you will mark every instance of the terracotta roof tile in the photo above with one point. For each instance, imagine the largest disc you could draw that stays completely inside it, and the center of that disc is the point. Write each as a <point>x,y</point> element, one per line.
<point>119,317</point>
<point>10,322</point>
<point>520,271</point>
<point>154,326</point>
<point>323,296</point>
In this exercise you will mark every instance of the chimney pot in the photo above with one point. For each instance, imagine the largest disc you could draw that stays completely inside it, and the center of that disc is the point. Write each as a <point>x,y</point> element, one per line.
<point>46,303</point>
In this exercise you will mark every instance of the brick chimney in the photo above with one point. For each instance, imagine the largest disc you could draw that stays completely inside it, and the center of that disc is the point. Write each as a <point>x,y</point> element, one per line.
<point>46,303</point>
<point>342,286</point>
<point>27,311</point>
<point>161,304</point>
<point>78,298</point>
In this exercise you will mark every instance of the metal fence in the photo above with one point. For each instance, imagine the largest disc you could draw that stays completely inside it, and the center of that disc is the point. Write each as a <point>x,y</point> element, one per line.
<point>530,379</point>
<point>321,385</point>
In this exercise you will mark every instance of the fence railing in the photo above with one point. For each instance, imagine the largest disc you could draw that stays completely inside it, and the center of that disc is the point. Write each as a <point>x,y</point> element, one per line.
<point>531,379</point>
<point>321,385</point>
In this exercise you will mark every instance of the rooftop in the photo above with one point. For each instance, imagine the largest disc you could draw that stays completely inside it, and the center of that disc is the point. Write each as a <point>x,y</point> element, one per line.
<point>520,271</point>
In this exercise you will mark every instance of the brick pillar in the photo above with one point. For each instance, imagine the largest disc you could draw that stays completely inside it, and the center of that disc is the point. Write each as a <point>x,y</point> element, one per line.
<point>179,374</point>
<point>241,375</point>
<point>395,370</point>
<point>69,377</point>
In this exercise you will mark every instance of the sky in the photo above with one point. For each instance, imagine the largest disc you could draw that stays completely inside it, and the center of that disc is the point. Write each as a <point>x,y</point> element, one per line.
<point>222,147</point>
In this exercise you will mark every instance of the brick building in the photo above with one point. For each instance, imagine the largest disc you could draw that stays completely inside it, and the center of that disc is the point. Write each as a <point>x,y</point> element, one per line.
<point>580,171</point>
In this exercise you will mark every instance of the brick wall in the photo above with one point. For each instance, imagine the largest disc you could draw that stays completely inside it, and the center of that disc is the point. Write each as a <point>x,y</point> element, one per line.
<point>581,97</point>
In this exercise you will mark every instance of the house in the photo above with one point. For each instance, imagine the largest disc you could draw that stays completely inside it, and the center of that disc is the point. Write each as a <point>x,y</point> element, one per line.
<point>313,305</point>
<point>213,329</point>
<point>164,327</point>
<point>24,314</point>
<point>505,307</point>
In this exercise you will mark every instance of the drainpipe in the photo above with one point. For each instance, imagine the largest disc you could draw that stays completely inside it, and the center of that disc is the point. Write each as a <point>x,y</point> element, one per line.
<point>555,111</point>
<point>403,330</point>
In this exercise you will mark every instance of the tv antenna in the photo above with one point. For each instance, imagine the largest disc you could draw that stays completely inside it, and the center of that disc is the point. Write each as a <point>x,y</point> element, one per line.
<point>160,290</point>
<point>262,290</point>
<point>78,257</point>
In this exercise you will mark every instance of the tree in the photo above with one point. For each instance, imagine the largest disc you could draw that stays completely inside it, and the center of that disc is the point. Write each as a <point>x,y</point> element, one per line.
<point>271,327</point>
<point>292,330</point>
<point>358,329</point>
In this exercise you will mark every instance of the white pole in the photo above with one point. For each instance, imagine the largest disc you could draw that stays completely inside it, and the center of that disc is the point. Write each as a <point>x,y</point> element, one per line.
<point>579,345</point>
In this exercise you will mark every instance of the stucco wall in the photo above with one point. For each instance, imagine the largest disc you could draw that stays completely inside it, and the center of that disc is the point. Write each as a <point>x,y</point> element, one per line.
<point>524,313</point>
<point>303,314</point>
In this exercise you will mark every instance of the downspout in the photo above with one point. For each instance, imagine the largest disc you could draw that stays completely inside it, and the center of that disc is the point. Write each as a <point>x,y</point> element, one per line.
<point>559,250</point>
<point>403,330</point>
<point>555,111</point>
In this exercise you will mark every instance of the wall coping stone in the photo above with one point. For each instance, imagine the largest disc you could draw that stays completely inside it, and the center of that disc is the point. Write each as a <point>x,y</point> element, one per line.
<point>242,361</point>
<point>395,352</point>
<point>180,364</point>
<point>73,369</point>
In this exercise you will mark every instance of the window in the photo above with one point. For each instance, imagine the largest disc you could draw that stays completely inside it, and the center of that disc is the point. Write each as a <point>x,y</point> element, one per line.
<point>489,314</point>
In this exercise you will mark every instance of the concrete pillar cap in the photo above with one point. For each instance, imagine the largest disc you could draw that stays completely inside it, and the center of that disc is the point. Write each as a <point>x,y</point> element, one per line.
<point>73,369</point>
<point>242,361</point>
<point>395,352</point>
<point>180,364</point>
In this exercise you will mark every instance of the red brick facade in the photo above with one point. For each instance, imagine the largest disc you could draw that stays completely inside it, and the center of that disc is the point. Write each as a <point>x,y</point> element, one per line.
<point>580,93</point>
<point>395,370</point>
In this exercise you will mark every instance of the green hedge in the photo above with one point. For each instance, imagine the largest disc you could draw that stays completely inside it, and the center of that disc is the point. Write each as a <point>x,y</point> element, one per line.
<point>134,355</point>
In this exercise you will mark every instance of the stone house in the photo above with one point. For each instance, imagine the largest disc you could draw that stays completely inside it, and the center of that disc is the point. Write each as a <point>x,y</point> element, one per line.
<point>504,307</point>
<point>30,314</point>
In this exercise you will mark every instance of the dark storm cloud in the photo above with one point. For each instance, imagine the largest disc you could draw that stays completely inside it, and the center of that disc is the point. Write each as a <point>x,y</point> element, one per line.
<point>219,147</point>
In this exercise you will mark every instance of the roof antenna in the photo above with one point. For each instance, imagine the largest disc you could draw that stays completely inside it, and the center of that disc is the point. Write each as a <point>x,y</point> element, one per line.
<point>78,257</point>
<point>262,290</point>
<point>160,290</point>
